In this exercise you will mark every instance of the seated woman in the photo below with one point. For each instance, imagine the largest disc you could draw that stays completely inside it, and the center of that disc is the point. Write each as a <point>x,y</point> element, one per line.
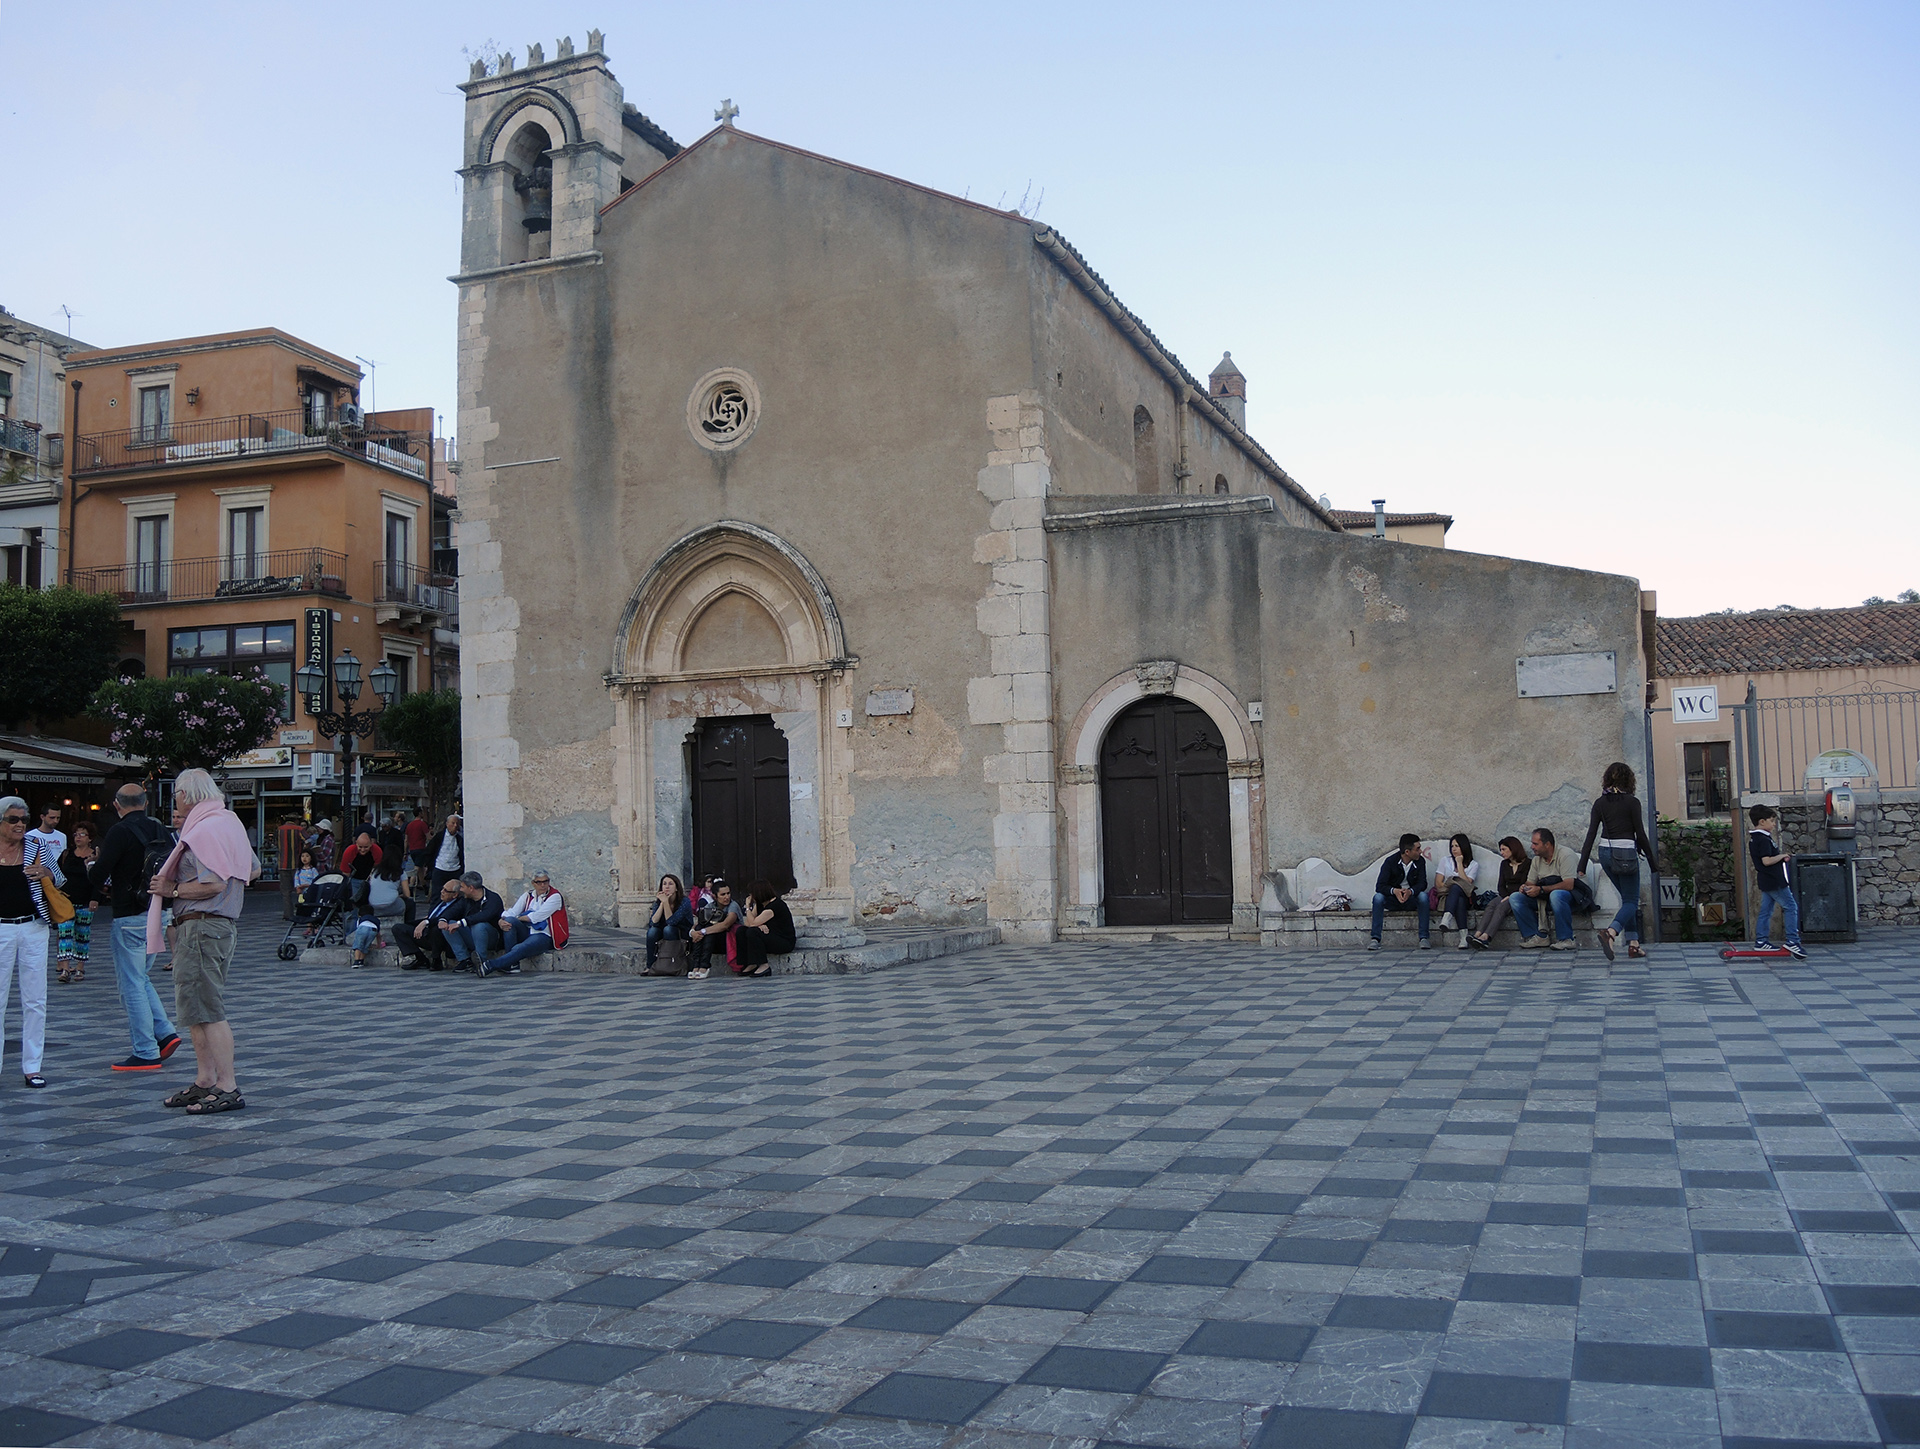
<point>671,920</point>
<point>1459,874</point>
<point>766,929</point>
<point>1513,874</point>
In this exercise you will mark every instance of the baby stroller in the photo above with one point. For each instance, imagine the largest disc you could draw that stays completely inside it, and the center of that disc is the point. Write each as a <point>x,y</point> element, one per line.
<point>319,917</point>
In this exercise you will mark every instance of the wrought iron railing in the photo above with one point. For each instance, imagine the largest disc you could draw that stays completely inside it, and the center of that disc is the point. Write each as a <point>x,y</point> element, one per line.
<point>203,440</point>
<point>411,587</point>
<point>181,580</point>
<point>19,436</point>
<point>1882,724</point>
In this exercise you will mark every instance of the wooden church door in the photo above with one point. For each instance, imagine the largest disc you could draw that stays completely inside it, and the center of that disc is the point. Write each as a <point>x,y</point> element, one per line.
<point>1164,817</point>
<point>740,822</point>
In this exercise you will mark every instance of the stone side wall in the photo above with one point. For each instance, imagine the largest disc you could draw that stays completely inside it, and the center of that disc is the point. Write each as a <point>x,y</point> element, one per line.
<point>1887,870</point>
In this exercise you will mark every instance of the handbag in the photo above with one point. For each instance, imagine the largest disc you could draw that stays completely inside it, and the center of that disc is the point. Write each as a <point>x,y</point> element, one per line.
<point>59,908</point>
<point>671,959</point>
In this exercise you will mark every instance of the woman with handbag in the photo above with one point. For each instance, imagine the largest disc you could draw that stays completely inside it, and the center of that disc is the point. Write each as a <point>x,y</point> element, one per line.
<point>1513,874</point>
<point>76,932</point>
<point>1621,830</point>
<point>668,929</point>
<point>29,888</point>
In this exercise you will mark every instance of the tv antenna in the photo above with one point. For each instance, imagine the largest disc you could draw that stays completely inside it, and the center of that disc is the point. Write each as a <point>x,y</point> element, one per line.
<point>373,380</point>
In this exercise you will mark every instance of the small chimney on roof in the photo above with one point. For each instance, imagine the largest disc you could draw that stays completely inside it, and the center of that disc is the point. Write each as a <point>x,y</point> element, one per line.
<point>1227,386</point>
<point>1379,518</point>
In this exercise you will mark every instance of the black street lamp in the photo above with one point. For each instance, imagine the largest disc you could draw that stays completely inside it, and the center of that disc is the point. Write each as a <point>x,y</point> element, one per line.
<point>346,723</point>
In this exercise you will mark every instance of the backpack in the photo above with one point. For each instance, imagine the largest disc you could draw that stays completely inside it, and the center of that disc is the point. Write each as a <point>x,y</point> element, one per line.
<point>558,928</point>
<point>157,842</point>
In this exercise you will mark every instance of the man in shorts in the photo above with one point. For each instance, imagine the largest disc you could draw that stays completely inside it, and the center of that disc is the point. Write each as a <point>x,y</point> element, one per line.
<point>206,896</point>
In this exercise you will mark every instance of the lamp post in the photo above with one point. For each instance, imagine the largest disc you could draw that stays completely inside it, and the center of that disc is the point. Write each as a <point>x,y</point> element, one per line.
<point>346,723</point>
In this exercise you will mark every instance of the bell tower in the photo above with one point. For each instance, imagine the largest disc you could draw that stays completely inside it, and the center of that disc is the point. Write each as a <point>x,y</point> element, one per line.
<point>545,150</point>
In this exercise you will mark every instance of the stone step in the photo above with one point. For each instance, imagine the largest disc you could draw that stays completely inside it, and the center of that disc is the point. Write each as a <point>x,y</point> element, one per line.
<point>881,952</point>
<point>1151,935</point>
<point>1349,931</point>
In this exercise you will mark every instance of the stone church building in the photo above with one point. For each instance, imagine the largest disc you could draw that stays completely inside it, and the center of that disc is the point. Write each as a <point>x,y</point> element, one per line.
<point>817,523</point>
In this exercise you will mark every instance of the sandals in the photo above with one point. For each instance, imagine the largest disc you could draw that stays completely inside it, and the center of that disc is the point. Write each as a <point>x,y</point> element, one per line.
<point>79,972</point>
<point>217,1102</point>
<point>1606,941</point>
<point>34,1079</point>
<point>188,1095</point>
<point>61,974</point>
<point>1634,952</point>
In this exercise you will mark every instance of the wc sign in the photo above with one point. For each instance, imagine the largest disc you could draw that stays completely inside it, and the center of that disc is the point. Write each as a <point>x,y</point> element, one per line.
<point>1697,704</point>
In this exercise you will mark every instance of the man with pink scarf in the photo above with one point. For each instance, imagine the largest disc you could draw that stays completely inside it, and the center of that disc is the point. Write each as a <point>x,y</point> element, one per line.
<point>205,881</point>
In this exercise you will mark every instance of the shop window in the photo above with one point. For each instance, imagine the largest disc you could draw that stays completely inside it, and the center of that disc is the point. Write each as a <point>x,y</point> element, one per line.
<point>1709,780</point>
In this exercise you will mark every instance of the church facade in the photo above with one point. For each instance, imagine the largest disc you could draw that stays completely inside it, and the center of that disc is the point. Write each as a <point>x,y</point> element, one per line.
<point>815,524</point>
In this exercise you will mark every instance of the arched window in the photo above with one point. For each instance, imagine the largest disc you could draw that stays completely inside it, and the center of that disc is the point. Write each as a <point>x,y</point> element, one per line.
<point>1220,483</point>
<point>1146,454</point>
<point>533,191</point>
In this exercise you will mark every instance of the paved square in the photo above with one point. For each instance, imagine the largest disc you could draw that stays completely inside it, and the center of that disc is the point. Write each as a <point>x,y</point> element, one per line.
<point>1081,1195</point>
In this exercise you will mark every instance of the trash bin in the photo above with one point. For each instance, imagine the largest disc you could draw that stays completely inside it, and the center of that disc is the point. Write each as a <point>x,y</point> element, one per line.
<point>1823,884</point>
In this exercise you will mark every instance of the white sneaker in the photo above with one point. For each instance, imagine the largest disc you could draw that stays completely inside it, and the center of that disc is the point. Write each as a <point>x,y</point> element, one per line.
<point>1463,940</point>
<point>1447,923</point>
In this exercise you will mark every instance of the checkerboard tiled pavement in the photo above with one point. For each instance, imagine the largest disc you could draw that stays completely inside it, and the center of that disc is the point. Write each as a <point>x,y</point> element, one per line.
<point>1080,1195</point>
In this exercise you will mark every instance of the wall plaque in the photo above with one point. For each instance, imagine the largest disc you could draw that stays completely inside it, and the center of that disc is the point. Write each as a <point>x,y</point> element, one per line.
<point>1543,675</point>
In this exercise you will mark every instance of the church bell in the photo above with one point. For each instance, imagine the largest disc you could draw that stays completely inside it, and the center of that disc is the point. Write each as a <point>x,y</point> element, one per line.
<point>538,190</point>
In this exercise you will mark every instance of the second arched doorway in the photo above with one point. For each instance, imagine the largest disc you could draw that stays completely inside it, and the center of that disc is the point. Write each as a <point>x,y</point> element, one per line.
<point>1166,823</point>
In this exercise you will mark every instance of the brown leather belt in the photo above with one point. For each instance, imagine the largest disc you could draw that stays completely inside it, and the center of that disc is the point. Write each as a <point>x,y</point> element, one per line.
<point>181,917</point>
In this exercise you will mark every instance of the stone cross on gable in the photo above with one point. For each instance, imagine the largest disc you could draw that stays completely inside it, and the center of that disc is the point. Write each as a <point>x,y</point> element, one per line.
<point>728,110</point>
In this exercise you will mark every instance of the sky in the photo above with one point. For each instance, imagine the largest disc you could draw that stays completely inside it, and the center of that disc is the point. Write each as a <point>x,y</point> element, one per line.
<point>1628,287</point>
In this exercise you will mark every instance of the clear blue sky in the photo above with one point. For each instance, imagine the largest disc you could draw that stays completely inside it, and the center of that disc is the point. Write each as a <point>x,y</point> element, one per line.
<point>1625,286</point>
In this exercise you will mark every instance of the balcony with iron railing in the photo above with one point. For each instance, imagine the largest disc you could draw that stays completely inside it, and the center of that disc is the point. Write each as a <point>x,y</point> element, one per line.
<point>291,431</point>
<point>402,589</point>
<point>191,580</point>
<point>20,436</point>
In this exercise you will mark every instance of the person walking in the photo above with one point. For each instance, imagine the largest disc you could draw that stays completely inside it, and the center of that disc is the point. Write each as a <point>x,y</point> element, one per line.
<point>25,865</point>
<point>531,926</point>
<point>205,882</point>
<point>75,934</point>
<point>130,852</point>
<point>446,854</point>
<point>1617,823</point>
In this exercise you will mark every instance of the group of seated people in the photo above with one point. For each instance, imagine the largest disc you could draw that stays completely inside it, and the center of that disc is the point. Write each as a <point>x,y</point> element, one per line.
<point>1527,878</point>
<point>690,932</point>
<point>470,928</point>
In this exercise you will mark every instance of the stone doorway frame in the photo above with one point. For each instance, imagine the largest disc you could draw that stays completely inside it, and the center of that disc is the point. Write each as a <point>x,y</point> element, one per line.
<point>657,704</point>
<point>1085,874</point>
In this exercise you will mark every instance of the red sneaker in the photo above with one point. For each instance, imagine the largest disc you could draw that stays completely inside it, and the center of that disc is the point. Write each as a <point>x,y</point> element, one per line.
<point>138,1064</point>
<point>169,1045</point>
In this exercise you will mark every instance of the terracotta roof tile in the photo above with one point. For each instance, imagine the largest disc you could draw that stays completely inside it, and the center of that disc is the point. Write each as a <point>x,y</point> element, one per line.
<point>1874,635</point>
<point>1363,518</point>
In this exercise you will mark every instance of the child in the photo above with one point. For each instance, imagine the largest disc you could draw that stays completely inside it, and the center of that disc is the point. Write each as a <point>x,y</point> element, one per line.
<point>303,880</point>
<point>1770,868</point>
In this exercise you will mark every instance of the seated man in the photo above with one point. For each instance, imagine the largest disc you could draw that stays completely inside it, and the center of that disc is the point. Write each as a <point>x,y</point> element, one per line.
<point>478,931</point>
<point>1552,876</point>
<point>1401,886</point>
<point>527,928</point>
<point>714,922</point>
<point>426,944</point>
<point>358,864</point>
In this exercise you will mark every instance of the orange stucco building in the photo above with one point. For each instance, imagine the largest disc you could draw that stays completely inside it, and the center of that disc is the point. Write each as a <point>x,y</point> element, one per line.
<point>232,494</point>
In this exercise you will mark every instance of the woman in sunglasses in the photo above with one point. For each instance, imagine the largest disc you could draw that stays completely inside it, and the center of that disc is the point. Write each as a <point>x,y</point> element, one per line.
<point>23,931</point>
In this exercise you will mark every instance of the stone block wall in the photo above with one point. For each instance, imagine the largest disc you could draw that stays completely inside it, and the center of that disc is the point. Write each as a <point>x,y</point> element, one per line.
<point>1887,867</point>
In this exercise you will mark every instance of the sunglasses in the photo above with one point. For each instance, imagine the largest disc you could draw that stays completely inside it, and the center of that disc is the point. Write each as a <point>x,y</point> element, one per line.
<point>13,819</point>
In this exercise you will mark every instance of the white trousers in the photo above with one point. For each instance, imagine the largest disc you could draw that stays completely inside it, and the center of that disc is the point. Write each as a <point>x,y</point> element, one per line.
<point>25,946</point>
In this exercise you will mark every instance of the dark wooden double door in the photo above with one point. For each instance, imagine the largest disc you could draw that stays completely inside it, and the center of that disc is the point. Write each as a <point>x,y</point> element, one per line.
<point>1164,817</point>
<point>741,827</point>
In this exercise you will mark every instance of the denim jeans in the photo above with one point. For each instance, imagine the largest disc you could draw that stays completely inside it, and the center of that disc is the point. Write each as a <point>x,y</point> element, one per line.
<point>465,942</point>
<point>656,933</point>
<point>1460,902</point>
<point>1384,903</point>
<point>364,935</point>
<point>523,942</point>
<point>1789,907</point>
<point>147,1021</point>
<point>1525,917</point>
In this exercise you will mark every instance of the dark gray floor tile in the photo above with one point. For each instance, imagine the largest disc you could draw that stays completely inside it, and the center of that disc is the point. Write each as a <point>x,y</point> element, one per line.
<point>1829,1221</point>
<point>900,1253</point>
<point>1301,1428</point>
<point>1664,1364</point>
<point>1277,1204</point>
<point>208,1413</point>
<point>739,1426</point>
<point>1892,1300</point>
<point>580,1362</point>
<point>1446,1233</point>
<point>770,1222</point>
<point>368,1268</point>
<point>1102,1370</point>
<point>464,1310</point>
<point>301,1330</point>
<point>1075,1295</point>
<point>753,1338</point>
<point>129,1348</point>
<point>1748,1243</point>
<point>766,1272</point>
<point>1898,1416</point>
<point>1344,1252</point>
<point>1501,1397</point>
<point>928,1398</point>
<point>291,1235</point>
<point>1804,1332</point>
<point>1374,1187</point>
<point>667,1194</point>
<point>617,1290</point>
<point>646,1235</point>
<point>1413,1315</point>
<point>1539,1214</point>
<point>510,1252</point>
<point>1521,1288</point>
<point>1200,1272</point>
<point>30,1428</point>
<point>421,1220</point>
<point>1610,1195</point>
<point>891,1207</point>
<point>1622,1263</point>
<point>1268,1342</point>
<point>1026,1235</point>
<point>1144,1220</point>
<point>911,1315</point>
<point>400,1388</point>
<point>549,1209</point>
